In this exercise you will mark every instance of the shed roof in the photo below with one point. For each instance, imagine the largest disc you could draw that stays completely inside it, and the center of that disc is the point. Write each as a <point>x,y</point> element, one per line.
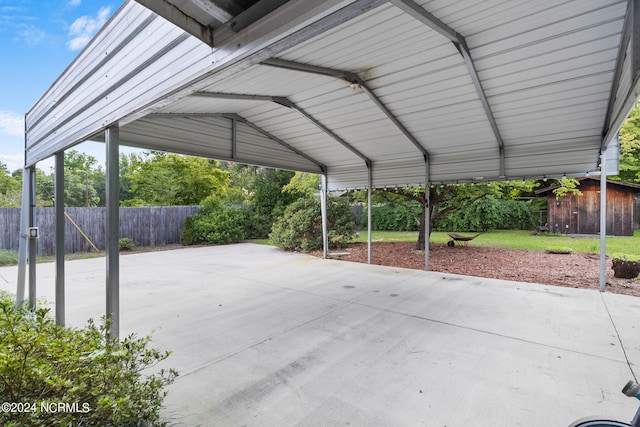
<point>470,90</point>
<point>629,186</point>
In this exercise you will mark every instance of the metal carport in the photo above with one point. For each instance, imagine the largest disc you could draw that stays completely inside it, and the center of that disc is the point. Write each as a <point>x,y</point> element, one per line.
<point>368,93</point>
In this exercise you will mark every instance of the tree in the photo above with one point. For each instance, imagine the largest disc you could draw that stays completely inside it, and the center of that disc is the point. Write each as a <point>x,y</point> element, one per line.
<point>267,192</point>
<point>447,199</point>
<point>629,138</point>
<point>170,179</point>
<point>10,192</point>
<point>303,183</point>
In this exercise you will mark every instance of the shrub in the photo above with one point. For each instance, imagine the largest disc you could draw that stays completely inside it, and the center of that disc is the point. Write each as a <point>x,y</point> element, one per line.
<point>218,224</point>
<point>99,382</point>
<point>300,228</point>
<point>394,217</point>
<point>126,244</point>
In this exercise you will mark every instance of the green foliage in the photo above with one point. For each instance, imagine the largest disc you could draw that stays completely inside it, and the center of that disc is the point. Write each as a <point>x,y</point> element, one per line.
<point>567,186</point>
<point>300,228</point>
<point>10,191</point>
<point>101,382</point>
<point>489,213</point>
<point>626,257</point>
<point>267,194</point>
<point>172,179</point>
<point>303,183</point>
<point>8,257</point>
<point>629,138</point>
<point>218,224</point>
<point>394,217</point>
<point>126,244</point>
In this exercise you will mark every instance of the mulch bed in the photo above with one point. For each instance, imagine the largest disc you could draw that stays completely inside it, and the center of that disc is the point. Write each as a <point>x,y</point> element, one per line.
<point>576,270</point>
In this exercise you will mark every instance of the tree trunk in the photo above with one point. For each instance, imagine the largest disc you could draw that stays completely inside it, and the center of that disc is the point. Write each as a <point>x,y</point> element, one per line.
<point>420,246</point>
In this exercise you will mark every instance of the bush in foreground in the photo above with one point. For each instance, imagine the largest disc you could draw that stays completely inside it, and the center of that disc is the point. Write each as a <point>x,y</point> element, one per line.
<point>300,228</point>
<point>52,375</point>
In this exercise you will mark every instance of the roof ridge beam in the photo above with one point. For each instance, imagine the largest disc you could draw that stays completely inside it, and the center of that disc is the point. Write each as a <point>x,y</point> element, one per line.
<point>290,104</point>
<point>238,118</point>
<point>419,13</point>
<point>285,102</point>
<point>352,78</point>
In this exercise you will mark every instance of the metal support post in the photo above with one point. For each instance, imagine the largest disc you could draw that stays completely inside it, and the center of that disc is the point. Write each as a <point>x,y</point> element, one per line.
<point>427,217</point>
<point>59,209</point>
<point>603,220</point>
<point>369,227</point>
<point>24,236</point>
<point>323,210</point>
<point>32,257</point>
<point>113,231</point>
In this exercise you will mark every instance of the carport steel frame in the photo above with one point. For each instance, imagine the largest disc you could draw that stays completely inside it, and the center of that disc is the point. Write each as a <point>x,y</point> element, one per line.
<point>631,36</point>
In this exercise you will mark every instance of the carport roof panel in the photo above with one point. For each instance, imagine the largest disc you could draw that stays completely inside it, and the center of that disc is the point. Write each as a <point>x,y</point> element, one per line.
<point>550,72</point>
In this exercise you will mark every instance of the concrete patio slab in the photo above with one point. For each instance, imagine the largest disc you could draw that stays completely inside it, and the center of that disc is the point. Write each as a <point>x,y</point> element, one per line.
<point>267,338</point>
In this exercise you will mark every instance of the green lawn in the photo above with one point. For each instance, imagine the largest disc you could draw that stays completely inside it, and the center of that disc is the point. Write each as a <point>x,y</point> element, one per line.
<point>518,239</point>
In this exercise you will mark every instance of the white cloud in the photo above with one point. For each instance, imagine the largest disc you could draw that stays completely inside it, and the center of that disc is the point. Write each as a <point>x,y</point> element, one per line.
<point>74,3</point>
<point>85,27</point>
<point>11,123</point>
<point>31,35</point>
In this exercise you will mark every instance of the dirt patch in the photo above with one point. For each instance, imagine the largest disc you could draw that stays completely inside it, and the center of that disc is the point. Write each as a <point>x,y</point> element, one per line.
<point>576,270</point>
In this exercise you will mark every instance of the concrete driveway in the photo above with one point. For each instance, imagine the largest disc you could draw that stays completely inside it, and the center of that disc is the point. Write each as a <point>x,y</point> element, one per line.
<point>266,338</point>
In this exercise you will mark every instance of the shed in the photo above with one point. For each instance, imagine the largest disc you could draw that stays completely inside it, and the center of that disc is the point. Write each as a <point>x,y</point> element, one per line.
<point>580,214</point>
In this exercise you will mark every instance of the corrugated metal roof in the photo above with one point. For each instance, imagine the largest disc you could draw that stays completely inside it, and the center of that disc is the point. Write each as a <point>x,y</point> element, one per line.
<point>482,89</point>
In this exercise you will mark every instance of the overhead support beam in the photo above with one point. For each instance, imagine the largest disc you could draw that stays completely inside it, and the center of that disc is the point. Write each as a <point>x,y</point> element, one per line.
<point>235,118</point>
<point>269,135</point>
<point>177,17</point>
<point>351,78</point>
<point>629,51</point>
<point>285,102</point>
<point>419,13</point>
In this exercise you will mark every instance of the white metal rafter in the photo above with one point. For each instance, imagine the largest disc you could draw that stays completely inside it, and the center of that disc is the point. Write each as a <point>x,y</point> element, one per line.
<point>419,13</point>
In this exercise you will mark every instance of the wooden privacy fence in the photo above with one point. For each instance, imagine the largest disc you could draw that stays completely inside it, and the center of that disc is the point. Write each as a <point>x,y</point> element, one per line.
<point>145,226</point>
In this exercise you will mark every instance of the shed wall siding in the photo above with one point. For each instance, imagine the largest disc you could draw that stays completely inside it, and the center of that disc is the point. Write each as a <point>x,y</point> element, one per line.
<point>581,214</point>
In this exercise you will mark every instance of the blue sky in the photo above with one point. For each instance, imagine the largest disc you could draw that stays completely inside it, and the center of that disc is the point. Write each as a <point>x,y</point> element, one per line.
<point>38,40</point>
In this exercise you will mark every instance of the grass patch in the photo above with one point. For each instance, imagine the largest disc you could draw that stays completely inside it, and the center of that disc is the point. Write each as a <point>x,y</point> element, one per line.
<point>520,239</point>
<point>8,257</point>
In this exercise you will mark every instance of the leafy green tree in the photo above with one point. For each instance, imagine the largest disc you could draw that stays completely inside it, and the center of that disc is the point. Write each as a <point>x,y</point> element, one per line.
<point>267,194</point>
<point>171,179</point>
<point>629,138</point>
<point>303,183</point>
<point>448,199</point>
<point>10,189</point>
